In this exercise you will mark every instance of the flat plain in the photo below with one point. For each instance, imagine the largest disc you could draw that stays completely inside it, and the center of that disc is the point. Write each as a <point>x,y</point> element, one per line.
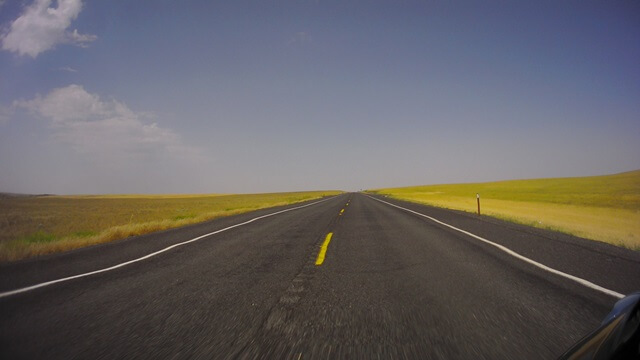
<point>604,208</point>
<point>392,285</point>
<point>37,225</point>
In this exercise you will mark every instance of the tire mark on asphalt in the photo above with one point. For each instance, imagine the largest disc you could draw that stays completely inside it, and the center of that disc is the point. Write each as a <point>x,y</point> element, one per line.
<point>117,266</point>
<point>276,336</point>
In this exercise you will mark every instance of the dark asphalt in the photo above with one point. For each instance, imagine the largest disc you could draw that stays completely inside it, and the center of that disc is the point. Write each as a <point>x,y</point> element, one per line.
<point>393,285</point>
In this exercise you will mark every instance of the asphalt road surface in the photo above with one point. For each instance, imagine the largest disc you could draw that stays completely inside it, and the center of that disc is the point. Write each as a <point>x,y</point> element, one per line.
<point>393,284</point>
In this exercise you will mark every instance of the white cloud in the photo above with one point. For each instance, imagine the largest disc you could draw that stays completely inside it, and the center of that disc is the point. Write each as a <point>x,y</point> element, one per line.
<point>68,69</point>
<point>81,40</point>
<point>105,128</point>
<point>42,27</point>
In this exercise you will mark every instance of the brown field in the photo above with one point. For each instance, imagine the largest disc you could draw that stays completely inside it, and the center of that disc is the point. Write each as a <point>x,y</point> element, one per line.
<point>36,225</point>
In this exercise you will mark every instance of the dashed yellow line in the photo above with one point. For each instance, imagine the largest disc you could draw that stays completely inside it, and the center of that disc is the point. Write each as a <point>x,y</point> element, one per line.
<point>325,244</point>
<point>323,249</point>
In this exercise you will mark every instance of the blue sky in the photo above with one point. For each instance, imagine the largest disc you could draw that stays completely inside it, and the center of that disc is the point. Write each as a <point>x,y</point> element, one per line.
<point>255,96</point>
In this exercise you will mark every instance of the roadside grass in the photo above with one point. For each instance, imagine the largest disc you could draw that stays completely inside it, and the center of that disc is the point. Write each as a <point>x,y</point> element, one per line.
<point>39,237</point>
<point>37,225</point>
<point>603,208</point>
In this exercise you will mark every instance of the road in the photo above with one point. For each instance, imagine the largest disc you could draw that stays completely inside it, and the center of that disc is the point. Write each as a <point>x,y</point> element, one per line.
<point>393,284</point>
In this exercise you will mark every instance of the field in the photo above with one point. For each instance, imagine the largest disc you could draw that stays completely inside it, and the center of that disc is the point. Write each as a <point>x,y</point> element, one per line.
<point>603,208</point>
<point>36,225</point>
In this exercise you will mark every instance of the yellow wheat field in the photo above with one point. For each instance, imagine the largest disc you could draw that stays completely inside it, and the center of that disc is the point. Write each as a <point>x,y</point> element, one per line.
<point>603,208</point>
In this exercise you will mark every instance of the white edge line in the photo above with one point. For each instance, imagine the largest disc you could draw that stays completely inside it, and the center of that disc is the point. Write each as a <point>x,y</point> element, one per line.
<point>515,254</point>
<point>40,285</point>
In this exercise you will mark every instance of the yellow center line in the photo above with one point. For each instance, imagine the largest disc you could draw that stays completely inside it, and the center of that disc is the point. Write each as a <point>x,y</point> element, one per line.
<point>341,211</point>
<point>323,249</point>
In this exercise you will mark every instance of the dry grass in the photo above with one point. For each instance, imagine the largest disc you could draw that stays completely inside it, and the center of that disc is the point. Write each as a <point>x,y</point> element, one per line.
<point>39,225</point>
<point>603,208</point>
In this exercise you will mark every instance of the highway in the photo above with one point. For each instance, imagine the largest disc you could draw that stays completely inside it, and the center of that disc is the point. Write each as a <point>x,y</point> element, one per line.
<point>391,283</point>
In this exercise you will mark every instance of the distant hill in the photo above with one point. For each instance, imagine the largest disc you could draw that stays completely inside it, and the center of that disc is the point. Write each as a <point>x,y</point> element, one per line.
<point>617,191</point>
<point>15,195</point>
